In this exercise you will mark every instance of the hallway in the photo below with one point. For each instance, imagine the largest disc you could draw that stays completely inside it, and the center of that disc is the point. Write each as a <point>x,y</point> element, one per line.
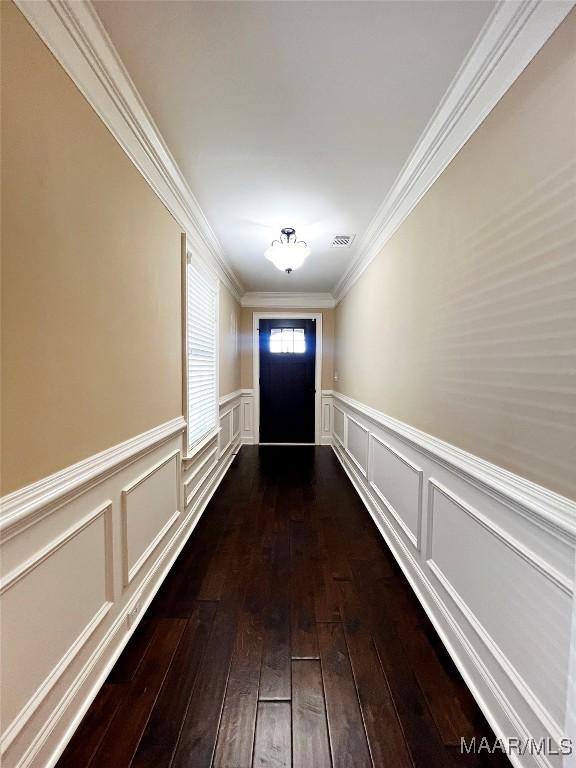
<point>288,395</point>
<point>285,634</point>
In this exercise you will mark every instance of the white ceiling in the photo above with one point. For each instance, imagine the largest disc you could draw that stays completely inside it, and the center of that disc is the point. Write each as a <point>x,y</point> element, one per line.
<point>291,113</point>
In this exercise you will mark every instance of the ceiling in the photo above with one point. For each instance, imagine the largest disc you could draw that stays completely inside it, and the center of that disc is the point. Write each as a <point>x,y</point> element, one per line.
<point>291,113</point>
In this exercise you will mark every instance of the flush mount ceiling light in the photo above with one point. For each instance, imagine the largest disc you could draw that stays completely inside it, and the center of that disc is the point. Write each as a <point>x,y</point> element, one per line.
<point>287,253</point>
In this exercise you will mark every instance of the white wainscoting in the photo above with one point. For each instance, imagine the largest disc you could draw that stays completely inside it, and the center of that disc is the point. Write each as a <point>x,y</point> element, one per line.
<point>83,552</point>
<point>203,472</point>
<point>491,557</point>
<point>339,423</point>
<point>397,482</point>
<point>35,650</point>
<point>247,427</point>
<point>326,422</point>
<point>230,417</point>
<point>357,440</point>
<point>247,416</point>
<point>150,507</point>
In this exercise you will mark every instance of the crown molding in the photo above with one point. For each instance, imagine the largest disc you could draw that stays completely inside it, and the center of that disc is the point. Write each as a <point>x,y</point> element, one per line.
<point>75,35</point>
<point>511,37</point>
<point>273,299</point>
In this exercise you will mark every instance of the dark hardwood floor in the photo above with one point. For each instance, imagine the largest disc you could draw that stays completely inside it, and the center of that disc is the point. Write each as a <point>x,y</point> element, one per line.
<point>284,635</point>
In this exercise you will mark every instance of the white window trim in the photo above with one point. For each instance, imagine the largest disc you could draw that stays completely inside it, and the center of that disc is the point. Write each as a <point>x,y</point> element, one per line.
<point>192,448</point>
<point>294,315</point>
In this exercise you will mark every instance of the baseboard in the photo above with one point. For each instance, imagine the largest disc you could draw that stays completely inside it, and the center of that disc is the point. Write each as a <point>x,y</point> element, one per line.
<point>465,544</point>
<point>324,440</point>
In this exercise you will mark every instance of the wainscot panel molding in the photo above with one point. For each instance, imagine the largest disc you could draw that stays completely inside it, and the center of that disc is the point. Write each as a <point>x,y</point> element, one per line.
<point>326,422</point>
<point>247,431</point>
<point>357,440</point>
<point>230,421</point>
<point>510,39</point>
<point>85,553</point>
<point>397,482</point>
<point>75,35</point>
<point>21,508</point>
<point>27,634</point>
<point>339,424</point>
<point>233,396</point>
<point>277,299</point>
<point>225,431</point>
<point>149,512</point>
<point>491,557</point>
<point>199,472</point>
<point>247,426</point>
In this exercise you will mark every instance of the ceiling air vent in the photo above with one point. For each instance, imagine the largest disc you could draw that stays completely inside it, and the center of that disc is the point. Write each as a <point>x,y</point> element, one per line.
<point>342,241</point>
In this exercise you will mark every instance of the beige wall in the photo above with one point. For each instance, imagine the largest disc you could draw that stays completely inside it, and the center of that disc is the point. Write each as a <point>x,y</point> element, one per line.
<point>246,342</point>
<point>90,275</point>
<point>229,368</point>
<point>464,326</point>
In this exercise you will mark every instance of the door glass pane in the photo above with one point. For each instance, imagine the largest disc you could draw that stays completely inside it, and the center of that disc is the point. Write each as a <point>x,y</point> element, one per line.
<point>299,340</point>
<point>287,340</point>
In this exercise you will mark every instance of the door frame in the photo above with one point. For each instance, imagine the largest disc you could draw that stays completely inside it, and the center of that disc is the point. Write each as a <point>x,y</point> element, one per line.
<point>296,315</point>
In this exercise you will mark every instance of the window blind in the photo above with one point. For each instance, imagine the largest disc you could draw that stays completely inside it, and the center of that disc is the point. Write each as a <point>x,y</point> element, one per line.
<point>202,305</point>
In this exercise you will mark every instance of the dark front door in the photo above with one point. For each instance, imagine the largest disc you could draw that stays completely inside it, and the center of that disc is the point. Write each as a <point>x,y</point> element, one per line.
<point>287,380</point>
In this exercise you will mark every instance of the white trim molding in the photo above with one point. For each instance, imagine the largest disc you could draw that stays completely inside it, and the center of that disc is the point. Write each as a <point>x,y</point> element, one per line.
<point>256,317</point>
<point>75,35</point>
<point>225,399</point>
<point>490,556</point>
<point>230,414</point>
<point>25,569</point>
<point>326,425</point>
<point>199,473</point>
<point>25,506</point>
<point>279,300</point>
<point>546,507</point>
<point>570,761</point>
<point>100,536</point>
<point>247,433</point>
<point>510,39</point>
<point>130,571</point>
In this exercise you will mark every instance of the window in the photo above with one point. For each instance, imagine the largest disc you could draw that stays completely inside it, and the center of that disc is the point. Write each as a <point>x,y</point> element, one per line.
<point>290,340</point>
<point>202,350</point>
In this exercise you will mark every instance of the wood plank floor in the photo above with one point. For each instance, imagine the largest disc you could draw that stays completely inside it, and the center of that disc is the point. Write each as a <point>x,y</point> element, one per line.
<point>285,635</point>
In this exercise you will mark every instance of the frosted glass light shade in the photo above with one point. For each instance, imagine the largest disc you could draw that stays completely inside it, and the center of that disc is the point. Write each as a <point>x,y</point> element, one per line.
<point>287,256</point>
